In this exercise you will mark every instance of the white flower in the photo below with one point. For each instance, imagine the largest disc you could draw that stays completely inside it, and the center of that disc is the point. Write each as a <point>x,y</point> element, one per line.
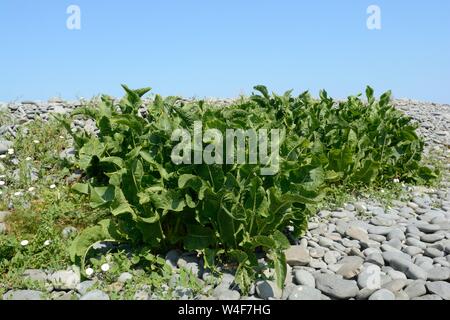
<point>29,159</point>
<point>31,189</point>
<point>89,272</point>
<point>18,194</point>
<point>36,141</point>
<point>396,181</point>
<point>47,242</point>
<point>105,267</point>
<point>61,137</point>
<point>10,151</point>
<point>53,186</point>
<point>24,243</point>
<point>2,183</point>
<point>2,156</point>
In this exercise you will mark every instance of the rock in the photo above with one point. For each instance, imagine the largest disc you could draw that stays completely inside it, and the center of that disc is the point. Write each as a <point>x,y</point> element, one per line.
<point>431,238</point>
<point>297,256</point>
<point>428,228</point>
<point>410,269</point>
<point>365,293</point>
<point>357,233</point>
<point>416,289</point>
<point>223,292</point>
<point>413,251</point>
<point>395,285</point>
<point>65,280</point>
<point>35,275</point>
<point>305,293</point>
<point>351,266</point>
<point>336,287</point>
<point>317,264</point>
<point>388,256</point>
<point>4,215</point>
<point>325,242</point>
<point>331,257</point>
<point>95,295</point>
<point>416,243</point>
<point>268,289</point>
<point>382,294</point>
<point>428,297</point>
<point>69,232</point>
<point>304,278</point>
<point>370,278</point>
<point>85,286</point>
<point>375,258</point>
<point>433,253</point>
<point>316,252</point>
<point>23,295</point>
<point>438,274</point>
<point>441,288</point>
<point>124,277</point>
<point>172,258</point>
<point>396,234</point>
<point>396,275</point>
<point>382,231</point>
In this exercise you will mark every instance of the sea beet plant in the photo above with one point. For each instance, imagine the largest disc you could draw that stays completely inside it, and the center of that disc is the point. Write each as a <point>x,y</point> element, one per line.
<point>231,209</point>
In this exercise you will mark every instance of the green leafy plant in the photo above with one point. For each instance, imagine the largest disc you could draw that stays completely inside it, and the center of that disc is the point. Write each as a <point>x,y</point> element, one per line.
<point>232,210</point>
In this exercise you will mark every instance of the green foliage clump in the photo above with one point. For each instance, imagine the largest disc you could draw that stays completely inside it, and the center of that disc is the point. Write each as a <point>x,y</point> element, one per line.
<point>233,210</point>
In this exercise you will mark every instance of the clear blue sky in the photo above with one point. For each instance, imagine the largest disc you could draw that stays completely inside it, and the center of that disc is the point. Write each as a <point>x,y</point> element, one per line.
<point>223,48</point>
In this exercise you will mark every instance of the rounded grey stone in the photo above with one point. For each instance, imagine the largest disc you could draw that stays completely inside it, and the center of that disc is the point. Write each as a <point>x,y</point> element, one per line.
<point>382,294</point>
<point>304,278</point>
<point>95,295</point>
<point>305,293</point>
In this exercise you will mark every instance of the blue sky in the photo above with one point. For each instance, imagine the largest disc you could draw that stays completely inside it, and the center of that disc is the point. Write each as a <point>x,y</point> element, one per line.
<point>223,48</point>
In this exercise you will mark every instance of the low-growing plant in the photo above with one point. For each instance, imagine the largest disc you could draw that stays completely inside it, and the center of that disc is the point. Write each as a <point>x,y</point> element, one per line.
<point>230,210</point>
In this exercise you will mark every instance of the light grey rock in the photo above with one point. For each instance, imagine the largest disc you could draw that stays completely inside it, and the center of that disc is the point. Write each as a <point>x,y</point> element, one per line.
<point>413,251</point>
<point>365,293</point>
<point>317,264</point>
<point>305,293</point>
<point>433,253</point>
<point>95,295</point>
<point>35,275</point>
<point>411,270</point>
<point>336,287</point>
<point>438,274</point>
<point>396,234</point>
<point>416,243</point>
<point>395,285</point>
<point>388,256</point>
<point>224,293</point>
<point>297,256</point>
<point>401,295</point>
<point>23,295</point>
<point>375,258</point>
<point>125,277</point>
<point>429,228</point>
<point>429,297</point>
<point>396,275</point>
<point>331,257</point>
<point>382,231</point>
<point>416,289</point>
<point>382,294</point>
<point>441,288</point>
<point>351,266</point>
<point>431,238</point>
<point>85,286</point>
<point>268,289</point>
<point>316,252</point>
<point>304,278</point>
<point>370,278</point>
<point>65,279</point>
<point>69,232</point>
<point>357,233</point>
